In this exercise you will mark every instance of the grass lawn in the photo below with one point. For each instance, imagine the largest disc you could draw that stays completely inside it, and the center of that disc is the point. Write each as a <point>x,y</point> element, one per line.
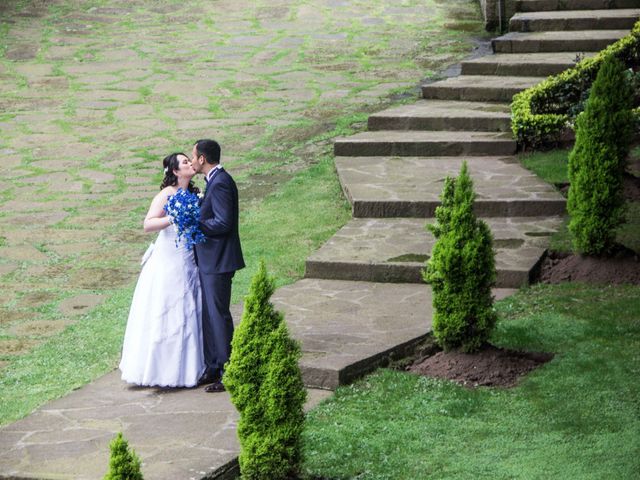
<point>576,417</point>
<point>551,166</point>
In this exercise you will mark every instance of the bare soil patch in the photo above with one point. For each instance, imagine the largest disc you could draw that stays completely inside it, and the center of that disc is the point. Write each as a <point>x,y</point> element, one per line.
<point>9,316</point>
<point>631,183</point>
<point>489,367</point>
<point>621,267</point>
<point>36,299</point>
<point>22,52</point>
<point>6,268</point>
<point>39,328</point>
<point>16,346</point>
<point>80,304</point>
<point>100,278</point>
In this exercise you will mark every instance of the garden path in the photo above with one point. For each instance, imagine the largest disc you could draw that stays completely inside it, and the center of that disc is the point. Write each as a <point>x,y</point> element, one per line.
<point>362,301</point>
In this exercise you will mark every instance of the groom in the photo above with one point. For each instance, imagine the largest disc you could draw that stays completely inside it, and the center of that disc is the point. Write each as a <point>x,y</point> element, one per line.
<point>218,258</point>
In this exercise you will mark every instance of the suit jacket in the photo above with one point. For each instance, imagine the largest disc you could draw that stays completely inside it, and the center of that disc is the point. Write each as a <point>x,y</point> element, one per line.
<point>221,252</point>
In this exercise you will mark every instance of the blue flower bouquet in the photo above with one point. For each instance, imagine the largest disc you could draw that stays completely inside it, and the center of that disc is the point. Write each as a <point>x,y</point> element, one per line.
<point>184,209</point>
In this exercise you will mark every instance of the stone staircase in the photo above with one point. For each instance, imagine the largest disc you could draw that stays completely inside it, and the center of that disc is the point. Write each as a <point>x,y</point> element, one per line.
<point>362,300</point>
<point>393,175</point>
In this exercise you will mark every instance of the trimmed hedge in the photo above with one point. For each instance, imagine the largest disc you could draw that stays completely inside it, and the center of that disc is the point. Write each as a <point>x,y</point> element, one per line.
<point>540,113</point>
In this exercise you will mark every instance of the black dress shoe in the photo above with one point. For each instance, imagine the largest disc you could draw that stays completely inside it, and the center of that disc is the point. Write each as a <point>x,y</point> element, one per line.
<point>215,387</point>
<point>207,378</point>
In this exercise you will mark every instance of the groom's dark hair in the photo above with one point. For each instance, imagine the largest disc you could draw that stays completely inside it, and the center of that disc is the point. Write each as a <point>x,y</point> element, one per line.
<point>210,149</point>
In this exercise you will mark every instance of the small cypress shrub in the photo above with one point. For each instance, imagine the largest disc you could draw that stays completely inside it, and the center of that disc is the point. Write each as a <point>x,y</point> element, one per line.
<point>461,269</point>
<point>596,163</point>
<point>124,464</point>
<point>265,383</point>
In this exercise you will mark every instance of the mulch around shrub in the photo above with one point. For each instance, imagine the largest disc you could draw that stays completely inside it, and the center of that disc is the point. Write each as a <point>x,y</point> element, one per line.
<point>622,266</point>
<point>631,185</point>
<point>497,367</point>
<point>489,367</point>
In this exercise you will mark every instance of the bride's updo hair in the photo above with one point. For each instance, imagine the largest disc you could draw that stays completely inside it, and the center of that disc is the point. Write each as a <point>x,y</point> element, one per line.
<point>171,163</point>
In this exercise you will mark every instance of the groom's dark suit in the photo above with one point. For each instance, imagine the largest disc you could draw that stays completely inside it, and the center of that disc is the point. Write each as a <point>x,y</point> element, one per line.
<point>218,258</point>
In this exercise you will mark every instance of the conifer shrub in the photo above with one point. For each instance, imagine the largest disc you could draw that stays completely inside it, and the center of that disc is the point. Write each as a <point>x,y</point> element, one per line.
<point>124,464</point>
<point>461,269</point>
<point>597,161</point>
<point>265,383</point>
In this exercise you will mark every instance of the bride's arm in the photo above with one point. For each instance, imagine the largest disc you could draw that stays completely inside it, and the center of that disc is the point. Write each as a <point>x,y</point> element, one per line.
<point>156,218</point>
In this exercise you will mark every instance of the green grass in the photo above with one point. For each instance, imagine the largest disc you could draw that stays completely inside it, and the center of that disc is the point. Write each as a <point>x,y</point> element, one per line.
<point>76,356</point>
<point>282,232</point>
<point>551,166</point>
<point>576,417</point>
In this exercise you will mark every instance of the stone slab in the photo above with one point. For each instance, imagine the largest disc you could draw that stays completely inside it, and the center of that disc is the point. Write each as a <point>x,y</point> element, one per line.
<point>482,88</point>
<point>582,40</point>
<point>528,64</point>
<point>178,433</point>
<point>609,19</point>
<point>412,142</point>
<point>546,5</point>
<point>348,328</point>
<point>396,249</point>
<point>444,115</point>
<point>383,187</point>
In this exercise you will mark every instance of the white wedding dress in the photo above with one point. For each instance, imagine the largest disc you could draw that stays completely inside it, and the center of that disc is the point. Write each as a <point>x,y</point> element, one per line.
<point>163,341</point>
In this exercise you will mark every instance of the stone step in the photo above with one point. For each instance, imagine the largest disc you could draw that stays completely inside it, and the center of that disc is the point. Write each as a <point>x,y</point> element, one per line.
<point>386,187</point>
<point>444,115</point>
<point>581,40</point>
<point>546,5</point>
<point>528,64</point>
<point>434,143</point>
<point>616,19</point>
<point>350,328</point>
<point>396,249</point>
<point>478,88</point>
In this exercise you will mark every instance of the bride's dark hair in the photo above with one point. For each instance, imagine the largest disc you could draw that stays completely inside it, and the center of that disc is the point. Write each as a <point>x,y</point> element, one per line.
<point>171,163</point>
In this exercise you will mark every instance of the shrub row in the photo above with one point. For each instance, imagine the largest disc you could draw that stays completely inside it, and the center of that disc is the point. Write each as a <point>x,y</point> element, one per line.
<point>540,113</point>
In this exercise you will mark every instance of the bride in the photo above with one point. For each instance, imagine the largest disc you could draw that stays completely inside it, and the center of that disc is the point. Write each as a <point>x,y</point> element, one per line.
<point>163,340</point>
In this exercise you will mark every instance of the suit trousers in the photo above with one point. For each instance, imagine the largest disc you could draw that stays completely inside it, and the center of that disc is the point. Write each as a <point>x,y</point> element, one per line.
<point>217,324</point>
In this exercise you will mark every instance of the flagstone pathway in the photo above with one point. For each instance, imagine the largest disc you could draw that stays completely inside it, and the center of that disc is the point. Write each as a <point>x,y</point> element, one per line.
<point>362,300</point>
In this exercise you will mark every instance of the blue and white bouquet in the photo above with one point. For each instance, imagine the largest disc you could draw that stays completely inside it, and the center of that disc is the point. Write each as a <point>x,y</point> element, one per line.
<point>184,209</point>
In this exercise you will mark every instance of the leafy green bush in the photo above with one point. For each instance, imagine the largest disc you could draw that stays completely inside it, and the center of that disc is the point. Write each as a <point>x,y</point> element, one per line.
<point>265,383</point>
<point>540,113</point>
<point>124,464</point>
<point>597,161</point>
<point>461,269</point>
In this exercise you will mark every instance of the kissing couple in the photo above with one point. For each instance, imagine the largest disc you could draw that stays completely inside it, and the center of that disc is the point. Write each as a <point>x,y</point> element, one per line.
<point>180,328</point>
